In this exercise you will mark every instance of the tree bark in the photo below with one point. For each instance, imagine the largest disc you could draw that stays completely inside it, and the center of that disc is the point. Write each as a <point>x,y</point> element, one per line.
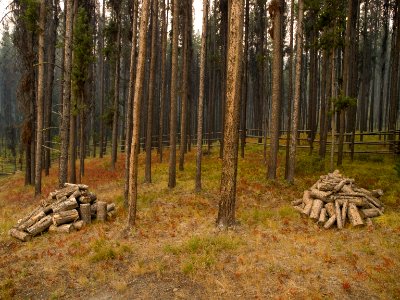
<point>296,99</point>
<point>129,108</point>
<point>149,127</point>
<point>40,99</point>
<point>226,212</point>
<point>276,9</point>
<point>139,80</point>
<point>200,112</point>
<point>174,95</point>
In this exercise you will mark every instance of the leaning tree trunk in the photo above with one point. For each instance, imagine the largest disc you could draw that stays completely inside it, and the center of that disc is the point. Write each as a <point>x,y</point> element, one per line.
<point>200,112</point>
<point>226,212</point>
<point>174,94</point>
<point>139,81</point>
<point>276,10</point>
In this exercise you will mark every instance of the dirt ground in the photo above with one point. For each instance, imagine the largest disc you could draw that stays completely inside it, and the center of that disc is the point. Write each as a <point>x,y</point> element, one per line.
<point>175,251</point>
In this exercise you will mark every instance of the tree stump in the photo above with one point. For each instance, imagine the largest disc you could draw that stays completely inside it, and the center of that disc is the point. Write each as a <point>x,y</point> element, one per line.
<point>101,211</point>
<point>85,213</point>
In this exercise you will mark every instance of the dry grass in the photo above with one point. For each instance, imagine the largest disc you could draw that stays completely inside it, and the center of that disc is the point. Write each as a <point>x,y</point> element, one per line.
<point>176,252</point>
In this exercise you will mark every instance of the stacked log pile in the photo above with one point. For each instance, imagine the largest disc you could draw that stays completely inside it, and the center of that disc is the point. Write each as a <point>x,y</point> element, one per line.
<point>63,211</point>
<point>336,200</point>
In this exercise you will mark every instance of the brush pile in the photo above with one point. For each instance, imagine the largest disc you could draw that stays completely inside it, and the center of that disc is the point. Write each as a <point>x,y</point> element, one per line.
<point>334,199</point>
<point>63,211</point>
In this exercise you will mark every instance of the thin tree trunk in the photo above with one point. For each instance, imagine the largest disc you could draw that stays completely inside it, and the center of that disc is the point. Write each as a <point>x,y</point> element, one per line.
<point>101,79</point>
<point>149,127</point>
<point>185,79</point>
<point>200,112</point>
<point>164,16</point>
<point>40,99</point>
<point>245,80</point>
<point>296,98</point>
<point>174,95</point>
<point>129,108</point>
<point>65,121</point>
<point>226,212</point>
<point>277,14</point>
<point>290,92</point>
<point>114,142</point>
<point>139,81</point>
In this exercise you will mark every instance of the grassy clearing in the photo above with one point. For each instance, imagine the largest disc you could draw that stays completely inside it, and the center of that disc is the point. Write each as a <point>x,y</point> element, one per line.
<point>176,252</point>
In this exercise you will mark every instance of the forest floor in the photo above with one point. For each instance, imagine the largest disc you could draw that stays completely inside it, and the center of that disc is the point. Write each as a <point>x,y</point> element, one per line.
<point>176,252</point>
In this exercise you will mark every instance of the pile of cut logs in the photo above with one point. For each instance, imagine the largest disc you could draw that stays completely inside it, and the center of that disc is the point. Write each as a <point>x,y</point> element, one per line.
<point>63,211</point>
<point>333,199</point>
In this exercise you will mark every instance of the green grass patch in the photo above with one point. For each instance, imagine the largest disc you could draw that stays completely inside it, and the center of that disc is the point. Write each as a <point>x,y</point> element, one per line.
<point>105,250</point>
<point>389,219</point>
<point>202,252</point>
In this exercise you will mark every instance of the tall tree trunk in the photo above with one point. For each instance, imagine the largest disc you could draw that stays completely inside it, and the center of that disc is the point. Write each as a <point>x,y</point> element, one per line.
<point>276,10</point>
<point>101,79</point>
<point>129,107</point>
<point>139,82</point>
<point>296,98</point>
<point>65,121</point>
<point>200,112</point>
<point>224,5</point>
<point>164,16</point>
<point>149,127</point>
<point>394,84</point>
<point>185,81</point>
<point>40,99</point>
<point>245,80</point>
<point>226,212</point>
<point>51,54</point>
<point>174,95</point>
<point>114,142</point>
<point>290,92</point>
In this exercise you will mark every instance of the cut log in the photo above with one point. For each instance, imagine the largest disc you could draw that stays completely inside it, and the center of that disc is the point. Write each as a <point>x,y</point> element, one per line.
<point>66,192</point>
<point>369,223</point>
<point>330,222</point>
<point>85,213</point>
<point>354,215</point>
<point>377,193</point>
<point>370,213</point>
<point>307,197</point>
<point>74,185</point>
<point>362,202</point>
<point>316,194</point>
<point>110,207</point>
<point>85,200</point>
<point>101,211</point>
<point>340,185</point>
<point>316,209</point>
<point>307,208</point>
<point>76,194</point>
<point>330,209</point>
<point>347,189</point>
<point>66,228</point>
<point>111,214</point>
<point>21,235</point>
<point>322,217</point>
<point>68,204</point>
<point>65,217</point>
<point>42,225</point>
<point>23,220</point>
<point>297,202</point>
<point>344,211</point>
<point>93,210</point>
<point>338,215</point>
<point>298,208</point>
<point>39,215</point>
<point>78,225</point>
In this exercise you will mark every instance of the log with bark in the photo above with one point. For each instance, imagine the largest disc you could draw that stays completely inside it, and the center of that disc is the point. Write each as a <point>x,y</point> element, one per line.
<point>63,211</point>
<point>334,199</point>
